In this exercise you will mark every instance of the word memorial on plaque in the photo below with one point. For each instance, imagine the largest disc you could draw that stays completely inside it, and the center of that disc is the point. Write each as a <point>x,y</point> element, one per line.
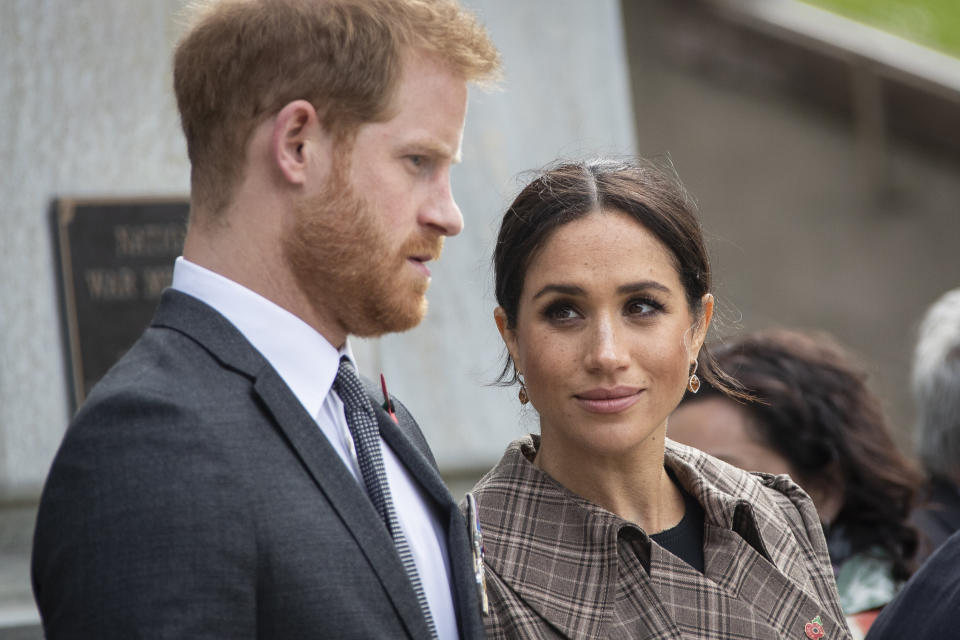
<point>116,258</point>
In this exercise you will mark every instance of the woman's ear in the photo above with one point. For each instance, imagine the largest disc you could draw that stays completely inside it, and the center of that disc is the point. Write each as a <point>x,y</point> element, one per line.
<point>298,141</point>
<point>509,335</point>
<point>702,325</point>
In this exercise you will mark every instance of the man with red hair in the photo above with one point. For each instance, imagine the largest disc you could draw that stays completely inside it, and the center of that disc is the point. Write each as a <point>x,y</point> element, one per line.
<point>231,476</point>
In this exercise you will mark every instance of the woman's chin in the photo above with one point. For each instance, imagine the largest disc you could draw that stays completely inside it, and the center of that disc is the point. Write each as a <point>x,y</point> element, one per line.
<point>611,440</point>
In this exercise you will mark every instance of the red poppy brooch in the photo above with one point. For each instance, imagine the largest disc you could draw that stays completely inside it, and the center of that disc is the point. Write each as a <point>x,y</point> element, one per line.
<point>814,629</point>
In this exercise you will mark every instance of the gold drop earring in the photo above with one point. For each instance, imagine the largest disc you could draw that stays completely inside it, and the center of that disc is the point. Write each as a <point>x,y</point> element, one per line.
<point>522,393</point>
<point>694,383</point>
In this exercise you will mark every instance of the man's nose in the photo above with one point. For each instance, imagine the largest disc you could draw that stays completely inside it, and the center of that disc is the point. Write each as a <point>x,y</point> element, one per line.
<point>441,211</point>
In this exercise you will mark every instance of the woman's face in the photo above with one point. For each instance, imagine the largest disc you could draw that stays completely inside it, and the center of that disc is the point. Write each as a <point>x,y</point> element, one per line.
<point>604,336</point>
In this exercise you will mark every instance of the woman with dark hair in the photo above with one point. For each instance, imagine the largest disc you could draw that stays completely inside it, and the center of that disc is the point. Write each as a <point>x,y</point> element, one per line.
<point>813,417</point>
<point>598,526</point>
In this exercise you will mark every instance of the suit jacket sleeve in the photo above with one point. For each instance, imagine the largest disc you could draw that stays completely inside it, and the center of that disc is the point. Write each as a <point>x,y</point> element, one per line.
<point>159,542</point>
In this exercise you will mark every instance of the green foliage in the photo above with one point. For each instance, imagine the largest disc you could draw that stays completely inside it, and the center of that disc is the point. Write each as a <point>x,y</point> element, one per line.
<point>932,23</point>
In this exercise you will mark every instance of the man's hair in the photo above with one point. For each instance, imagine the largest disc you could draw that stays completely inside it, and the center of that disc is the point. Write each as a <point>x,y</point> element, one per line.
<point>936,388</point>
<point>241,61</point>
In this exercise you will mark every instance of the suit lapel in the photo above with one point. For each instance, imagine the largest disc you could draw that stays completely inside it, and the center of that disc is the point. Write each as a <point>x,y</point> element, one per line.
<point>424,471</point>
<point>345,495</point>
<point>203,324</point>
<point>418,466</point>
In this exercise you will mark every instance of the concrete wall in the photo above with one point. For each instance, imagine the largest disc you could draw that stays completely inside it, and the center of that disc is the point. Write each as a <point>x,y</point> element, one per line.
<point>87,110</point>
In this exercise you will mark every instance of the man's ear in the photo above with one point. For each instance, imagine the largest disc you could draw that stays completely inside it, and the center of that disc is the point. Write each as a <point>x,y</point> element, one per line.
<point>509,335</point>
<point>299,141</point>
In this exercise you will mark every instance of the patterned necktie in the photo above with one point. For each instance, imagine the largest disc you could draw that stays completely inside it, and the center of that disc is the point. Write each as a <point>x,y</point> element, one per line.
<point>366,439</point>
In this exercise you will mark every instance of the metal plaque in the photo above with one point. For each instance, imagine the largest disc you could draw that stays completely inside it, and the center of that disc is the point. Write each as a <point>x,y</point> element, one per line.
<point>115,259</point>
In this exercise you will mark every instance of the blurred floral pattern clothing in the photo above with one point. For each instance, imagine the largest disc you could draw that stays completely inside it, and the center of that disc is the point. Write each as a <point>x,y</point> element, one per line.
<point>864,580</point>
<point>559,566</point>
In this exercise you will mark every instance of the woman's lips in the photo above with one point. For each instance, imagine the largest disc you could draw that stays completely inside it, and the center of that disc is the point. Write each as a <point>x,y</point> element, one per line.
<point>608,400</point>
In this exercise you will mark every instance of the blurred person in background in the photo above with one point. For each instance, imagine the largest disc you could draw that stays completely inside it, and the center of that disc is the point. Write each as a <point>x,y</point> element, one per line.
<point>814,418</point>
<point>928,606</point>
<point>936,393</point>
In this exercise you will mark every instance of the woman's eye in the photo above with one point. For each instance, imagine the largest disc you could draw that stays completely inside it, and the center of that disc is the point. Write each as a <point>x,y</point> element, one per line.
<point>560,312</point>
<point>643,307</point>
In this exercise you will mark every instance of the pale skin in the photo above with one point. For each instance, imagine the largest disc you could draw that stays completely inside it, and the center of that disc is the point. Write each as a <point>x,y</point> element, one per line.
<point>400,165</point>
<point>605,338</point>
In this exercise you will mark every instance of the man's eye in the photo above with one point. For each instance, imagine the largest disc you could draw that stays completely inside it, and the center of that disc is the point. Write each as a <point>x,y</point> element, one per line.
<point>417,161</point>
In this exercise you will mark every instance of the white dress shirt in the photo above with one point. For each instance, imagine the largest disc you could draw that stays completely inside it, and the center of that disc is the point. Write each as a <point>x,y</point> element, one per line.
<point>308,365</point>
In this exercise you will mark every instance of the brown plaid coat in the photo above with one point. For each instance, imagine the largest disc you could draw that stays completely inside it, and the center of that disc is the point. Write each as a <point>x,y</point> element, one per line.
<point>559,566</point>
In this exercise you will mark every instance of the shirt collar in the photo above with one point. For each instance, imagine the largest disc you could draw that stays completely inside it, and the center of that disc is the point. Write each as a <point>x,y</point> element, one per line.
<point>303,358</point>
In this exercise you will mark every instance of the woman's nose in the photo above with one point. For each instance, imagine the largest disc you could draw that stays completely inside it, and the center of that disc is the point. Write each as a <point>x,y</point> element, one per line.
<point>605,349</point>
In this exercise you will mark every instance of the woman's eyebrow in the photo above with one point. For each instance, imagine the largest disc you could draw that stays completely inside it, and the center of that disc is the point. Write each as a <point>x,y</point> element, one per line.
<point>568,289</point>
<point>574,290</point>
<point>643,285</point>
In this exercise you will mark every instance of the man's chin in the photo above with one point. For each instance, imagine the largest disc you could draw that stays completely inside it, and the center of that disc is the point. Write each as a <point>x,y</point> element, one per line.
<point>395,319</point>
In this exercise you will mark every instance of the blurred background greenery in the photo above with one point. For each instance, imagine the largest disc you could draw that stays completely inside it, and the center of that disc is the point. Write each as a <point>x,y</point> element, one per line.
<point>932,23</point>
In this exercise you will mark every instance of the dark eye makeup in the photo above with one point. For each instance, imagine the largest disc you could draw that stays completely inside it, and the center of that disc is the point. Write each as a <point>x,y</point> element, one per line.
<point>642,306</point>
<point>560,311</point>
<point>564,311</point>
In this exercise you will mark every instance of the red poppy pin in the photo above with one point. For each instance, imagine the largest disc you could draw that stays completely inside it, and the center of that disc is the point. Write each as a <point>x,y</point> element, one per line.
<point>387,405</point>
<point>814,629</point>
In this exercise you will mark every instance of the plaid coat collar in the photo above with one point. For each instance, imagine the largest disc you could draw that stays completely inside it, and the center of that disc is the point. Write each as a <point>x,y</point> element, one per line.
<point>568,572</point>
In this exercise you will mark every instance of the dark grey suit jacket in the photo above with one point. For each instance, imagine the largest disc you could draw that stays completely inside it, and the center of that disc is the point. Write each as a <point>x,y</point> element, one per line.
<point>194,497</point>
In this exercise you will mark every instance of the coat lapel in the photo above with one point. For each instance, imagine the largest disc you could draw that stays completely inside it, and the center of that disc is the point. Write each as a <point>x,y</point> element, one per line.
<point>749,550</point>
<point>203,324</point>
<point>544,547</point>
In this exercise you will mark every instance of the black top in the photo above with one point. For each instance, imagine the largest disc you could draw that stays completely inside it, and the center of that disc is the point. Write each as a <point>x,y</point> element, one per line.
<point>686,539</point>
<point>937,517</point>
